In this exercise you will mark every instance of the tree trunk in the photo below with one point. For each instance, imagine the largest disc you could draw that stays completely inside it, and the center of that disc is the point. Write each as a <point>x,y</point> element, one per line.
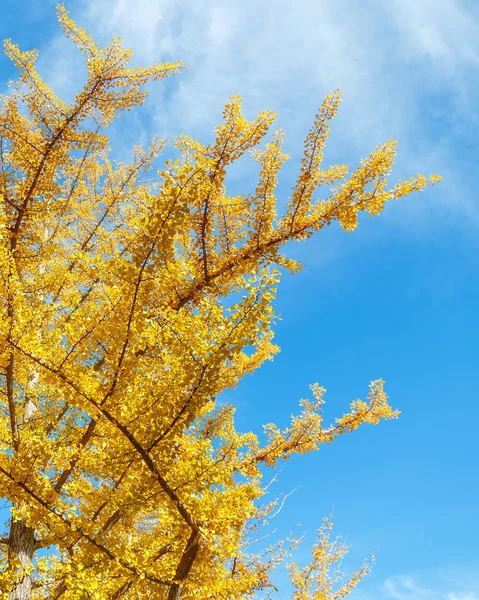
<point>21,547</point>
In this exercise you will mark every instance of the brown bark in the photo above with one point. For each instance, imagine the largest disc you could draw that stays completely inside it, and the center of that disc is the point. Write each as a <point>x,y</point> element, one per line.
<point>185,565</point>
<point>21,548</point>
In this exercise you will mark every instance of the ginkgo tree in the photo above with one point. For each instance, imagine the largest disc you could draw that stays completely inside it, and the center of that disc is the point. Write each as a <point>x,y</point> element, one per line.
<point>127,306</point>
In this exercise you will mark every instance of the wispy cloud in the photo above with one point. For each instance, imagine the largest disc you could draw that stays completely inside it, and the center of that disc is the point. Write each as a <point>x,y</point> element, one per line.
<point>288,53</point>
<point>443,30</point>
<point>402,587</point>
<point>405,588</point>
<point>407,70</point>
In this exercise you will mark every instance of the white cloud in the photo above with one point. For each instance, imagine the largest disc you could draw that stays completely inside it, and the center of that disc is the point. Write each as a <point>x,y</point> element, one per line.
<point>402,587</point>
<point>289,52</point>
<point>393,60</point>
<point>442,30</point>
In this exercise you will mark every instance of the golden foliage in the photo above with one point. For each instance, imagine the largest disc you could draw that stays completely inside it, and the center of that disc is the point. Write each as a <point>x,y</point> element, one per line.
<point>126,307</point>
<point>322,578</point>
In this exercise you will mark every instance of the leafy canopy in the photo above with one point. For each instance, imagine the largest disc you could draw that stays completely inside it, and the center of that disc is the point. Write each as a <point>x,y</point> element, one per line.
<point>127,305</point>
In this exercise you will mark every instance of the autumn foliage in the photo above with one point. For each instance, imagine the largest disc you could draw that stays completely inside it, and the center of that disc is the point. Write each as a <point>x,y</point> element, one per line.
<point>127,305</point>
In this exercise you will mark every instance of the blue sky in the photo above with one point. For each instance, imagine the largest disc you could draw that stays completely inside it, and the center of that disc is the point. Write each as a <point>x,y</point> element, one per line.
<point>397,299</point>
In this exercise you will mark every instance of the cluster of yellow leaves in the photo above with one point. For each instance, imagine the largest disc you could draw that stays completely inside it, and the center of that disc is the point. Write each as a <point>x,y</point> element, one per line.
<point>322,578</point>
<point>307,431</point>
<point>126,307</point>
